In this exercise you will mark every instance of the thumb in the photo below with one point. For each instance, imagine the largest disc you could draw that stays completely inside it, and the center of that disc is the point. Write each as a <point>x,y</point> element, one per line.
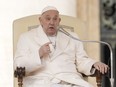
<point>47,44</point>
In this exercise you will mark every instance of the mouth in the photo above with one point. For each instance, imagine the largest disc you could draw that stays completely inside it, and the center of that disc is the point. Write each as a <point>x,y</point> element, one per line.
<point>51,28</point>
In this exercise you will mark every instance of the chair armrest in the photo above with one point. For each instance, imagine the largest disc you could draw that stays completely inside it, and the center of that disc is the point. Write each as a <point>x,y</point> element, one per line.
<point>19,73</point>
<point>98,78</point>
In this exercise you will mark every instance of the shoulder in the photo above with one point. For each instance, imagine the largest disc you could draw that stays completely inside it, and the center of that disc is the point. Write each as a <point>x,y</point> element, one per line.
<point>69,33</point>
<point>30,33</point>
<point>74,34</point>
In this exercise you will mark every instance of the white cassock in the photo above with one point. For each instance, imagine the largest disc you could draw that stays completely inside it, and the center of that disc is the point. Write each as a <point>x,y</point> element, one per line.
<point>63,64</point>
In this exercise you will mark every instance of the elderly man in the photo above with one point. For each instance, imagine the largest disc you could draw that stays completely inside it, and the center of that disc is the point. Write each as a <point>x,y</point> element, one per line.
<point>51,58</point>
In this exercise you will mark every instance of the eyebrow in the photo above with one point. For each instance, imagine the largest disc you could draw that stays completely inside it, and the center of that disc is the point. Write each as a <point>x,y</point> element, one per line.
<point>54,16</point>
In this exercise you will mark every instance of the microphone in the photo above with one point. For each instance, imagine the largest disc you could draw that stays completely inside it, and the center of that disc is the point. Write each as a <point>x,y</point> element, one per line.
<point>102,42</point>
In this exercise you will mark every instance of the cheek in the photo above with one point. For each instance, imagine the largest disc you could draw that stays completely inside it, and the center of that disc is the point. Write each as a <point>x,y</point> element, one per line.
<point>44,24</point>
<point>57,23</point>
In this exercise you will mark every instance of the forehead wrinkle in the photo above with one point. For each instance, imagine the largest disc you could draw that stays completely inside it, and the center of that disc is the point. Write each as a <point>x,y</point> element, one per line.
<point>50,16</point>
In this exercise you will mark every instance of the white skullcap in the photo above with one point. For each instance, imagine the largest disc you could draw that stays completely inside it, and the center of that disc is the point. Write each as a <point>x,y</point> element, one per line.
<point>48,8</point>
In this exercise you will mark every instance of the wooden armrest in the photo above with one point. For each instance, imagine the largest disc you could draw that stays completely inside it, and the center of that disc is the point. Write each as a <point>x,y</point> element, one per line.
<point>19,73</point>
<point>98,78</point>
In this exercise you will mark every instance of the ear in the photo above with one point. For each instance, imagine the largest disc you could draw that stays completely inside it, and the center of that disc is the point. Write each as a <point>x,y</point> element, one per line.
<point>59,19</point>
<point>39,19</point>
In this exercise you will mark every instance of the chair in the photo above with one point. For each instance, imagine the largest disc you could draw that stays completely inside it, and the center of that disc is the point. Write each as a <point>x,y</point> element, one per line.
<point>24,24</point>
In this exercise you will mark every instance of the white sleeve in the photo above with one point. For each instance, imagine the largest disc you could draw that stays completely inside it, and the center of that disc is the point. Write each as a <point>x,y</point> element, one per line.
<point>26,57</point>
<point>83,62</point>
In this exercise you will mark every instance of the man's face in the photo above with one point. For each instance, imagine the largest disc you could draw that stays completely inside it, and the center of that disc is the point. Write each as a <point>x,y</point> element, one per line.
<point>50,21</point>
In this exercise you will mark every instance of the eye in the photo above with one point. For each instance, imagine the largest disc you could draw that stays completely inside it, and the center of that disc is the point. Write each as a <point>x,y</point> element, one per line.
<point>48,18</point>
<point>55,18</point>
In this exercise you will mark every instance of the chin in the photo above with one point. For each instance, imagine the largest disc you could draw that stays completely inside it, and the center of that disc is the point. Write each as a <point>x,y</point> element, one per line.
<point>52,33</point>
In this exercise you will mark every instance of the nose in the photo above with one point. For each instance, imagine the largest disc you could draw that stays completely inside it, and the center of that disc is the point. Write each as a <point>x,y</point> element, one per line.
<point>51,22</point>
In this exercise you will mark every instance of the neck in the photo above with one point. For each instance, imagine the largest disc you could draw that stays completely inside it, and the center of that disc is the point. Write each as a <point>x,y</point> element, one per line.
<point>51,35</point>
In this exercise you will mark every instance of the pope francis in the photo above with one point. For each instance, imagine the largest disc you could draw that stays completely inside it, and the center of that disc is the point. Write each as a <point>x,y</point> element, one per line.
<point>51,58</point>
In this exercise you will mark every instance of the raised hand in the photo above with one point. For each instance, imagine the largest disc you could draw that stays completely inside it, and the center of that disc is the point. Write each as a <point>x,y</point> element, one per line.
<point>44,50</point>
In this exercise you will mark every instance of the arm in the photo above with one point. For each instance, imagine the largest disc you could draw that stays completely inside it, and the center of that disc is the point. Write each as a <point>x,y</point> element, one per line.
<point>25,56</point>
<point>83,62</point>
<point>87,63</point>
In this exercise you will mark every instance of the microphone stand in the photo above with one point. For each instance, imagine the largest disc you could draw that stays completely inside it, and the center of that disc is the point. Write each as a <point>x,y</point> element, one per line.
<point>102,42</point>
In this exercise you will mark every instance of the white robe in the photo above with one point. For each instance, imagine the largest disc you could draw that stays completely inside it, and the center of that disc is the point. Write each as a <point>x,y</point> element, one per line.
<point>59,65</point>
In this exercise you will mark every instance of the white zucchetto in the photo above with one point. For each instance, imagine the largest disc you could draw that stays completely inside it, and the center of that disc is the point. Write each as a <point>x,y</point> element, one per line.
<point>48,8</point>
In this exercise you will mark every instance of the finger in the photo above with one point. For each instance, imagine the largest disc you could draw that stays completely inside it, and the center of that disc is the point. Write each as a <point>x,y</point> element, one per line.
<point>96,67</point>
<point>102,69</point>
<point>106,69</point>
<point>48,51</point>
<point>47,44</point>
<point>48,48</point>
<point>99,68</point>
